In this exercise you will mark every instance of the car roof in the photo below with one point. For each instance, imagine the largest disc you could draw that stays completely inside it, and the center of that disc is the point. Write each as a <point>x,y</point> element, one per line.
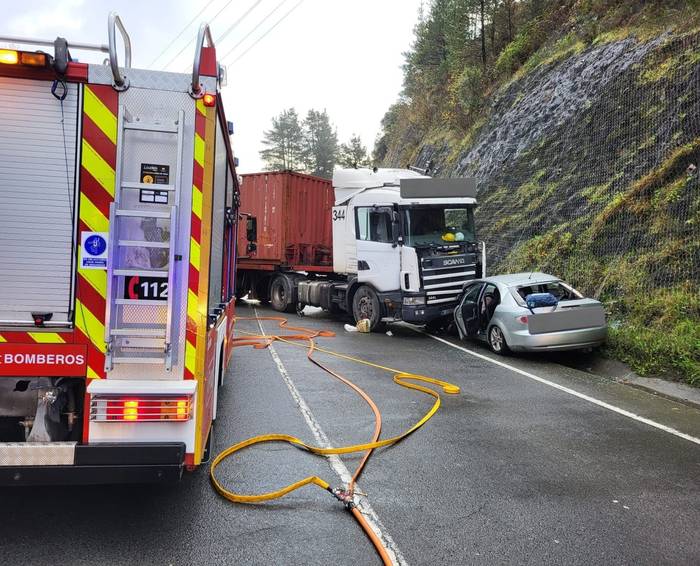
<point>513,279</point>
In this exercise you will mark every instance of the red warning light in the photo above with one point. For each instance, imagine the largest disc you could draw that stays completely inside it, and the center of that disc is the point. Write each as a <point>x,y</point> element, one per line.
<point>209,100</point>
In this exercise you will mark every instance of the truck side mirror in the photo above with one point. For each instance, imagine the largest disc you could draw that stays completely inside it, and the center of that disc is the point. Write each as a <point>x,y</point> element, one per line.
<point>395,229</point>
<point>252,229</point>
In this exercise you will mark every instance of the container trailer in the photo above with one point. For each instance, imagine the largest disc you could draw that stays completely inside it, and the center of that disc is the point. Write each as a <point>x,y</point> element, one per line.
<point>379,244</point>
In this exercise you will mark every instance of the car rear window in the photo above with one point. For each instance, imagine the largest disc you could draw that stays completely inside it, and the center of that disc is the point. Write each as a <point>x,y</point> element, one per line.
<point>559,289</point>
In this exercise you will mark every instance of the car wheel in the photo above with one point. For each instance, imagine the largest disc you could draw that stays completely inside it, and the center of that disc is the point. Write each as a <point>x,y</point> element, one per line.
<point>365,304</point>
<point>497,341</point>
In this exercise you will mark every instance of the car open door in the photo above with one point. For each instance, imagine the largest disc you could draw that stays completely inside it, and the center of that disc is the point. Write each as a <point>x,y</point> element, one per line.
<point>467,311</point>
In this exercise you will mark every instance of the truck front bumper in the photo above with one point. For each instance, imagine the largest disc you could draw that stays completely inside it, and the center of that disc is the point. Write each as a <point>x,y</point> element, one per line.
<point>104,463</point>
<point>420,314</point>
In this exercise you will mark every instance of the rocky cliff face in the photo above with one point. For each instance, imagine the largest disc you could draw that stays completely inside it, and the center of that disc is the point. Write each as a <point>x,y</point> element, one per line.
<point>587,168</point>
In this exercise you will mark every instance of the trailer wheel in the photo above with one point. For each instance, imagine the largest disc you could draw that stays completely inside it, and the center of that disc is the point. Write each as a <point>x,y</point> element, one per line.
<point>281,294</point>
<point>365,304</point>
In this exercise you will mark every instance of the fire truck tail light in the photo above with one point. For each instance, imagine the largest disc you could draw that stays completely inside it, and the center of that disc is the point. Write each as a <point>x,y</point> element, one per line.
<point>209,99</point>
<point>9,57</point>
<point>111,408</point>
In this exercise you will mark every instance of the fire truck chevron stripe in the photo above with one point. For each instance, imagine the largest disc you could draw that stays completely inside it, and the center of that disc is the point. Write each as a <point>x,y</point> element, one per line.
<point>47,337</point>
<point>91,215</point>
<point>98,112</point>
<point>192,306</point>
<point>99,141</point>
<point>98,168</point>
<point>194,253</point>
<point>199,150</point>
<point>196,202</point>
<point>201,108</point>
<point>90,325</point>
<point>2,339</point>
<point>190,357</point>
<point>97,279</point>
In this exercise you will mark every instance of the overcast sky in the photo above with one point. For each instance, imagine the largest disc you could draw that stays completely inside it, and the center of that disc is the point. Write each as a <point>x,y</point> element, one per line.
<point>342,56</point>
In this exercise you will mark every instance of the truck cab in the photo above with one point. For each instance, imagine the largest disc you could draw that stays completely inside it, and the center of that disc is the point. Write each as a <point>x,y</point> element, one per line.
<point>405,241</point>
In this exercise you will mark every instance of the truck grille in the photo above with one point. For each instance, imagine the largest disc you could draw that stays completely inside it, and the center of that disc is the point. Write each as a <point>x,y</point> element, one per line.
<point>444,277</point>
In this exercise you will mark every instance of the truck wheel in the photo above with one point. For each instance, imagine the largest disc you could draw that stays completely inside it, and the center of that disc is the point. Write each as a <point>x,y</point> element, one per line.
<point>365,304</point>
<point>281,295</point>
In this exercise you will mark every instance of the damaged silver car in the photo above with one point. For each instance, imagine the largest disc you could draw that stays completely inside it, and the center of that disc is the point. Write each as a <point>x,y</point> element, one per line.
<point>529,312</point>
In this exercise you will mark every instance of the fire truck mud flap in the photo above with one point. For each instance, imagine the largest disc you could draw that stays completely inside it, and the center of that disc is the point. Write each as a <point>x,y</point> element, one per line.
<point>69,463</point>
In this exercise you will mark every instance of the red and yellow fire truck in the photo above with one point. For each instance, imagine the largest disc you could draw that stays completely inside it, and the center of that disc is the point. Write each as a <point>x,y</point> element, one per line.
<point>118,219</point>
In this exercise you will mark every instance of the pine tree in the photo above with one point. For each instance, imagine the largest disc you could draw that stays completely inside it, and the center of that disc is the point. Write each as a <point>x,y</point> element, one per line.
<point>320,144</point>
<point>353,155</point>
<point>284,143</point>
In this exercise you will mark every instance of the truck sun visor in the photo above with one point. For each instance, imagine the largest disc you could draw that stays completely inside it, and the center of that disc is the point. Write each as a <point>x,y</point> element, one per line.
<point>438,188</point>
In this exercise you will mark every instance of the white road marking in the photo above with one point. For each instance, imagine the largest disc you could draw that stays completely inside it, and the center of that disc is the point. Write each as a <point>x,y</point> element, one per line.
<point>583,396</point>
<point>334,460</point>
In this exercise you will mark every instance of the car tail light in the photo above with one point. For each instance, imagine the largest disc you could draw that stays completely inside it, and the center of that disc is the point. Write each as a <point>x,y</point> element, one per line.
<point>104,408</point>
<point>521,319</point>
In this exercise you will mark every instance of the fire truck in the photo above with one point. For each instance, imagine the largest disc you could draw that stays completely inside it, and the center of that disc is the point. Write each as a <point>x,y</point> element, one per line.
<point>118,218</point>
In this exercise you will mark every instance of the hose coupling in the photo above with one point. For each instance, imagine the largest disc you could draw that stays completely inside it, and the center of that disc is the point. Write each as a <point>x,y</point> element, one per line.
<point>345,497</point>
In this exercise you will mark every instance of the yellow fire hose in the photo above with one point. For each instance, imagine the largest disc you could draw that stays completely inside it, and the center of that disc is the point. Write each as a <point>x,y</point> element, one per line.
<point>346,496</point>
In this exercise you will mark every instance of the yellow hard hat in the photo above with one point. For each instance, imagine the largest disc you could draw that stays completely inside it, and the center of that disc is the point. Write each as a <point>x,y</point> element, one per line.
<point>448,237</point>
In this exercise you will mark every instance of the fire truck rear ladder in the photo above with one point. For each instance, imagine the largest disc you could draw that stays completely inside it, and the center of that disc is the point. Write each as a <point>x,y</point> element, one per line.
<point>151,342</point>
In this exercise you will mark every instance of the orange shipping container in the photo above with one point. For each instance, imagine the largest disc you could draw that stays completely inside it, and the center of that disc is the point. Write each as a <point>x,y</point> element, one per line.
<point>292,214</point>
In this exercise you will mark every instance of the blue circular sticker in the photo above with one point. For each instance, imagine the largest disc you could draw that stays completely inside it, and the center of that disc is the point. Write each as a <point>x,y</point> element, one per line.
<point>95,245</point>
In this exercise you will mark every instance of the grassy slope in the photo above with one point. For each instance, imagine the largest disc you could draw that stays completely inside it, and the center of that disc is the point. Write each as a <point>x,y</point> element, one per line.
<point>655,327</point>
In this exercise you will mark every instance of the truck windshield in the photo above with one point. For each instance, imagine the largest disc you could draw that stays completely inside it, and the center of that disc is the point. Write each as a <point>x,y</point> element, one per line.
<point>425,225</point>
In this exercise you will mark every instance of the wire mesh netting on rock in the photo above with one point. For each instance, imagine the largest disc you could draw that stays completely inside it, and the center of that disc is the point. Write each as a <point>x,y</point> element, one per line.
<point>588,169</point>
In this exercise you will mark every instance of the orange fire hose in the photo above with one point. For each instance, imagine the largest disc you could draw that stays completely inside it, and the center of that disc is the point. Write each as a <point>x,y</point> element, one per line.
<point>346,496</point>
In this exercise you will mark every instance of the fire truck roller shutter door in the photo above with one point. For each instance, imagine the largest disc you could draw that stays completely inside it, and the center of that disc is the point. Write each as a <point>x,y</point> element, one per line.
<point>37,181</point>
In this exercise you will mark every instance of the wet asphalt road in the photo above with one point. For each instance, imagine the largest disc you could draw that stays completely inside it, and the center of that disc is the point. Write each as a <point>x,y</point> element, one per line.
<point>511,471</point>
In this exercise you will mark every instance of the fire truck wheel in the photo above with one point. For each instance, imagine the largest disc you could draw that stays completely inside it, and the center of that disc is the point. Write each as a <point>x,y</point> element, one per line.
<point>281,294</point>
<point>365,304</point>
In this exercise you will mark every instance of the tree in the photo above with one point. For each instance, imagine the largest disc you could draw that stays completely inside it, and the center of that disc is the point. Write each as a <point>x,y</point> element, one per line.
<point>509,13</point>
<point>483,37</point>
<point>284,143</point>
<point>353,154</point>
<point>320,144</point>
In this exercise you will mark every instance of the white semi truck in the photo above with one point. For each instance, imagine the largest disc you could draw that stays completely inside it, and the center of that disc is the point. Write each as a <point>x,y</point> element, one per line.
<point>380,244</point>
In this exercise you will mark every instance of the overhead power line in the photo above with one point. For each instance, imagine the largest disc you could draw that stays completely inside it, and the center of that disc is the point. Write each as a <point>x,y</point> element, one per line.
<point>234,25</point>
<point>191,41</point>
<point>179,35</point>
<point>255,28</point>
<point>278,22</point>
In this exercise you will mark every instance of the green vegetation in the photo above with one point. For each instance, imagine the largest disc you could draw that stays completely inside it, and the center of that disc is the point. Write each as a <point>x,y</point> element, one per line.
<point>309,145</point>
<point>612,201</point>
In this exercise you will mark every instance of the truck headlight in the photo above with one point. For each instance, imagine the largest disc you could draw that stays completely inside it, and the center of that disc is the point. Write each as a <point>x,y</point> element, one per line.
<point>418,300</point>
